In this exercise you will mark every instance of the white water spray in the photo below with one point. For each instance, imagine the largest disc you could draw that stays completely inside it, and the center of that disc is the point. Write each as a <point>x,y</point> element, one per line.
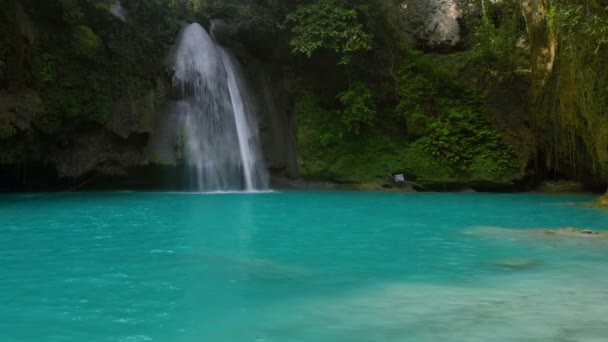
<point>218,130</point>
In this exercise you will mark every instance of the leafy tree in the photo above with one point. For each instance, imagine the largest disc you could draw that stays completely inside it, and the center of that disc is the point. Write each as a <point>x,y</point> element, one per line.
<point>359,107</point>
<point>328,24</point>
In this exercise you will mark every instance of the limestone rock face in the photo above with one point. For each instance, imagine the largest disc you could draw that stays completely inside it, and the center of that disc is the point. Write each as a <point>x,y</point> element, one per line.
<point>98,151</point>
<point>19,108</point>
<point>136,113</point>
<point>276,119</point>
<point>434,24</point>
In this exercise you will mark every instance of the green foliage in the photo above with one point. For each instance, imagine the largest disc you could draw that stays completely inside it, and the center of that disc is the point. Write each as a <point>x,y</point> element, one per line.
<point>327,24</point>
<point>86,42</point>
<point>369,158</point>
<point>327,152</point>
<point>498,35</point>
<point>576,19</point>
<point>359,107</point>
<point>233,10</point>
<point>466,140</point>
<point>144,41</point>
<point>417,96</point>
<point>46,68</point>
<point>71,91</point>
<point>390,111</point>
<point>461,145</point>
<point>317,125</point>
<point>71,11</point>
<point>572,110</point>
<point>85,58</point>
<point>418,161</point>
<point>448,121</point>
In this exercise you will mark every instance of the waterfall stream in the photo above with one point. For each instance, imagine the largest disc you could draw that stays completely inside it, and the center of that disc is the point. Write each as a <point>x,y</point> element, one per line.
<point>217,127</point>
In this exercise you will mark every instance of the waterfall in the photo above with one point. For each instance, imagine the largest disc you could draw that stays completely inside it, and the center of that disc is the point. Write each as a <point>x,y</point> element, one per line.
<point>217,129</point>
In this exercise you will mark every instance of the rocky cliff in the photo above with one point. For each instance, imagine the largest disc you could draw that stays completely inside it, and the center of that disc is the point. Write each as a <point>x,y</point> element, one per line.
<point>92,113</point>
<point>453,93</point>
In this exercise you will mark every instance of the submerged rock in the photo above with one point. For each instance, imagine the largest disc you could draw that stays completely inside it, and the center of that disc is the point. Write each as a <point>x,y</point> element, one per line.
<point>538,233</point>
<point>517,263</point>
<point>571,231</point>
<point>263,269</point>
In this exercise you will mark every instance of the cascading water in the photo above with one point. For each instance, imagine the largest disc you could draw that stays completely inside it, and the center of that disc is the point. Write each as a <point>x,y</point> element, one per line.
<point>217,128</point>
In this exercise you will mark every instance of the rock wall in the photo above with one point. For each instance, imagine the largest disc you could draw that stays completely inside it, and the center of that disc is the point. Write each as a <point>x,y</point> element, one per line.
<point>276,118</point>
<point>78,147</point>
<point>123,143</point>
<point>434,24</point>
<point>128,137</point>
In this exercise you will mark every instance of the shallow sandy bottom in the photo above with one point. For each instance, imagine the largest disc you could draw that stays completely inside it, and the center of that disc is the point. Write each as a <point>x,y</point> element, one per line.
<point>563,300</point>
<point>533,309</point>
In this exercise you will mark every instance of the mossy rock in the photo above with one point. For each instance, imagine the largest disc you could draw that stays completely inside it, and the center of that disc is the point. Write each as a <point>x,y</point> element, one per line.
<point>87,42</point>
<point>602,201</point>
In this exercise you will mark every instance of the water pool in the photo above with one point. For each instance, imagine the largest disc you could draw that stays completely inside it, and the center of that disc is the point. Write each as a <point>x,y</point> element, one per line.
<point>299,266</point>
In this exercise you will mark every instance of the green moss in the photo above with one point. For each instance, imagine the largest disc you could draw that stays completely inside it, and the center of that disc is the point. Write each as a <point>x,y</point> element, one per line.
<point>86,42</point>
<point>602,201</point>
<point>71,91</point>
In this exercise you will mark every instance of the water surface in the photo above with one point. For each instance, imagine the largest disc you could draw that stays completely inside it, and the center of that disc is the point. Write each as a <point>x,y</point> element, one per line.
<point>298,266</point>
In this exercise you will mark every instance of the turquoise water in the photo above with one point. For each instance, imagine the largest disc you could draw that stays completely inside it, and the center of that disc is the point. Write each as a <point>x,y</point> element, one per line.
<point>299,266</point>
